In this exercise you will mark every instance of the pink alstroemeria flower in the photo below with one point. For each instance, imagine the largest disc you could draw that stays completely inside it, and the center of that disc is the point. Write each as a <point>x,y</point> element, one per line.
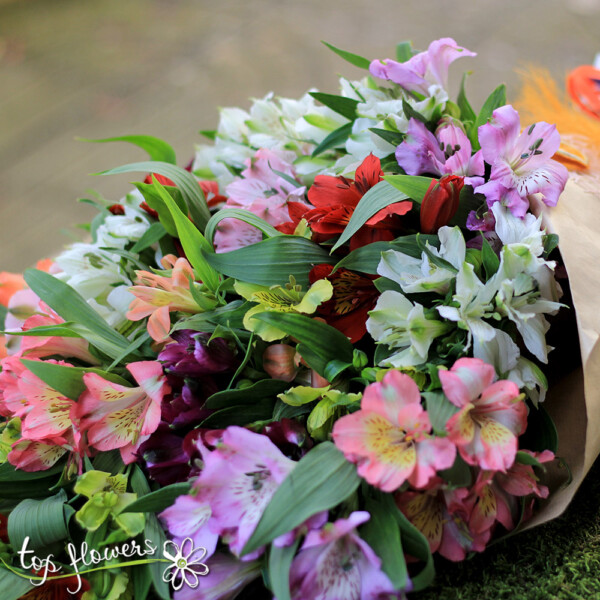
<point>521,161</point>
<point>262,192</point>
<point>390,436</point>
<point>13,403</point>
<point>443,517</point>
<point>491,416</point>
<point>238,480</point>
<point>157,296</point>
<point>424,68</point>
<point>335,563</point>
<point>448,152</point>
<point>115,416</point>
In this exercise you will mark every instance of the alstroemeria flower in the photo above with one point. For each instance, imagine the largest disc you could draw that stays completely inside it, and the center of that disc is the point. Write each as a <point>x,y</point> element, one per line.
<point>354,295</point>
<point>448,152</point>
<point>288,299</point>
<point>157,296</point>
<point>115,416</point>
<point>336,198</point>
<point>10,283</point>
<point>444,518</point>
<point>491,418</point>
<point>390,436</point>
<point>440,203</point>
<point>521,162</point>
<point>423,69</point>
<point>238,480</point>
<point>335,563</point>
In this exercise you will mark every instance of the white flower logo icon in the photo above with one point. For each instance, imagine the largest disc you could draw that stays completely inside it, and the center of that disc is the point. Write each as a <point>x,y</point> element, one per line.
<point>186,565</point>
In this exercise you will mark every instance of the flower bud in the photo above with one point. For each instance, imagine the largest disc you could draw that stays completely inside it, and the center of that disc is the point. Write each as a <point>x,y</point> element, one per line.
<point>440,202</point>
<point>279,361</point>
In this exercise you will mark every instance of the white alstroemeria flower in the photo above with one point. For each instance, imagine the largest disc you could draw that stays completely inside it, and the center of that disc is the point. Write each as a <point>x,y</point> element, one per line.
<point>474,300</point>
<point>527,375</point>
<point>519,300</point>
<point>415,275</point>
<point>114,308</point>
<point>501,352</point>
<point>398,323</point>
<point>119,230</point>
<point>514,230</point>
<point>90,271</point>
<point>232,124</point>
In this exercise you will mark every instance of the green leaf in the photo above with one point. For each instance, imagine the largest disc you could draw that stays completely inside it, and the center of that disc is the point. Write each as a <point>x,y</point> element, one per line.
<point>467,202</point>
<point>325,343</point>
<point>68,304</point>
<point>459,474</point>
<point>411,113</point>
<point>377,198</point>
<point>156,148</point>
<point>265,388</point>
<point>321,480</point>
<point>67,380</point>
<point>527,459</point>
<point>392,137</point>
<point>230,315</point>
<point>495,100</point>
<point>541,431</point>
<point>153,532</point>
<point>280,561</point>
<point>466,111</point>
<point>242,215</point>
<point>184,180</point>
<point>43,521</point>
<point>550,242</point>
<point>260,410</point>
<point>109,462</point>
<point>155,201</point>
<point>439,409</point>
<point>491,262</point>
<point>415,544</point>
<point>339,104</point>
<point>414,186</point>
<point>404,51</point>
<point>272,261</point>
<point>13,586</point>
<point>382,533</point>
<point>8,473</point>
<point>335,139</point>
<point>366,258</point>
<point>152,235</point>
<point>194,243</point>
<point>353,59</point>
<point>159,500</point>
<point>62,330</point>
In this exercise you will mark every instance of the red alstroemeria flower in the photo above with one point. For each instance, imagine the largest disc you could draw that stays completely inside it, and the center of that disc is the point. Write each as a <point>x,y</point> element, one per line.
<point>354,296</point>
<point>336,198</point>
<point>57,589</point>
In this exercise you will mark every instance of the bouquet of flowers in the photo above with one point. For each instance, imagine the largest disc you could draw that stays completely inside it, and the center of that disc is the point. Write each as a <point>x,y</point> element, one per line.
<point>301,367</point>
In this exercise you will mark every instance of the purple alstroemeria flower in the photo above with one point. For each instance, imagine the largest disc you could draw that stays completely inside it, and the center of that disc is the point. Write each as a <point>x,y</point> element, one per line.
<point>184,407</point>
<point>335,563</point>
<point>166,459</point>
<point>521,161</point>
<point>448,152</point>
<point>192,355</point>
<point>423,69</point>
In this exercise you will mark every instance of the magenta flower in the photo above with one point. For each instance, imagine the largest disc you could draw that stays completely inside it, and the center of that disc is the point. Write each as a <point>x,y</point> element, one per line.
<point>491,416</point>
<point>448,152</point>
<point>165,457</point>
<point>238,481</point>
<point>423,69</point>
<point>335,563</point>
<point>390,436</point>
<point>521,162</point>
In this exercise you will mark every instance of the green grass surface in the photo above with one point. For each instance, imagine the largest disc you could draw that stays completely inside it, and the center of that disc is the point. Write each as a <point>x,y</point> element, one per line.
<point>557,561</point>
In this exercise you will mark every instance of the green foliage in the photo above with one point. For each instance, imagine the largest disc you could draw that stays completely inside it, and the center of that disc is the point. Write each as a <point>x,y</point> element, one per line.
<point>335,139</point>
<point>353,59</point>
<point>339,104</point>
<point>156,148</point>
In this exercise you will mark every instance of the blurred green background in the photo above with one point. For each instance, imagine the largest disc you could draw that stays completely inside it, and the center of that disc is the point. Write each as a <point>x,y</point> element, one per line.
<point>102,68</point>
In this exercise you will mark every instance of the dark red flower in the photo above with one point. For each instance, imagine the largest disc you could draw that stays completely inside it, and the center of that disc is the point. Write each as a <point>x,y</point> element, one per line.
<point>117,209</point>
<point>354,296</point>
<point>57,589</point>
<point>440,202</point>
<point>4,529</point>
<point>335,199</point>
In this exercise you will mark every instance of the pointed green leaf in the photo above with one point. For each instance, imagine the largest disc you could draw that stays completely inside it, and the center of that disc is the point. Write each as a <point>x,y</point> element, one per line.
<point>152,235</point>
<point>392,137</point>
<point>242,215</point>
<point>265,388</point>
<point>68,304</point>
<point>244,414</point>
<point>404,51</point>
<point>335,139</point>
<point>491,262</point>
<point>193,242</point>
<point>323,342</point>
<point>184,180</point>
<point>339,104</point>
<point>439,409</point>
<point>495,100</point>
<point>280,561</point>
<point>377,198</point>
<point>159,500</point>
<point>272,261</point>
<point>67,380</point>
<point>156,148</point>
<point>414,186</point>
<point>13,587</point>
<point>321,480</point>
<point>411,113</point>
<point>353,59</point>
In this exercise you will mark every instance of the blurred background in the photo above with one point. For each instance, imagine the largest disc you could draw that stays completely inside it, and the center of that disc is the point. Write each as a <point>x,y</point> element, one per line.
<point>101,68</point>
